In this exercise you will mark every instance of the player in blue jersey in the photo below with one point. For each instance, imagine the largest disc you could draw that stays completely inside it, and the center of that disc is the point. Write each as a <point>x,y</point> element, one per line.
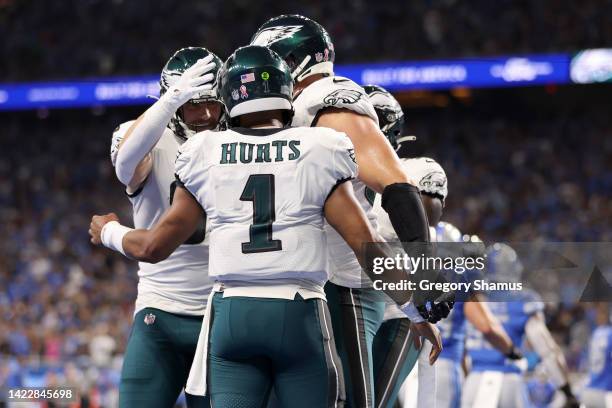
<point>495,379</point>
<point>450,377</point>
<point>598,393</point>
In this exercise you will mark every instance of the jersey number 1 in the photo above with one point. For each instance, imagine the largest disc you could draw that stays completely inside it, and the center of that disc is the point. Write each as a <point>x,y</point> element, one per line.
<point>260,190</point>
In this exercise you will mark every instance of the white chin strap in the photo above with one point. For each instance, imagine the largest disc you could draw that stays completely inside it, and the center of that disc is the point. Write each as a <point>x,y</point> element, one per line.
<point>326,67</point>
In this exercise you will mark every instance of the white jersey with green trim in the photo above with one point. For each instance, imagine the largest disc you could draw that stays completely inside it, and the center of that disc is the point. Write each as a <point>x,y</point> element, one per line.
<point>330,92</point>
<point>431,178</point>
<point>344,267</point>
<point>263,191</point>
<point>342,93</point>
<point>180,283</point>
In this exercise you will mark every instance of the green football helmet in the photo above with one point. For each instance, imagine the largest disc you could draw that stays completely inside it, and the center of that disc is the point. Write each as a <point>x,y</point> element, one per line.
<point>389,112</point>
<point>303,43</point>
<point>255,79</point>
<point>174,68</point>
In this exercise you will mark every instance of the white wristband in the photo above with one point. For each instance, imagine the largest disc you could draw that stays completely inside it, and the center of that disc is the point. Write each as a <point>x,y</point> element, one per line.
<point>112,236</point>
<point>411,311</point>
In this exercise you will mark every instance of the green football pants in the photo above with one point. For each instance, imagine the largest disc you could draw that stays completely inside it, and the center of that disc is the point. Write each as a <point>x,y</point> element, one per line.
<point>357,315</point>
<point>394,357</point>
<point>259,343</point>
<point>157,360</point>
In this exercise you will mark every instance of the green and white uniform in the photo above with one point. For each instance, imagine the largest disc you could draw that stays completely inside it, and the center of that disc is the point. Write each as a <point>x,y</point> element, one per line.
<point>394,353</point>
<point>263,191</point>
<point>180,283</point>
<point>338,92</point>
<point>357,310</point>
<point>171,296</point>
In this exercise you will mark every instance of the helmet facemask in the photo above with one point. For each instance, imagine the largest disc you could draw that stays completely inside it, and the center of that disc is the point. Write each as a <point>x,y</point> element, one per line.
<point>391,124</point>
<point>390,114</point>
<point>183,130</point>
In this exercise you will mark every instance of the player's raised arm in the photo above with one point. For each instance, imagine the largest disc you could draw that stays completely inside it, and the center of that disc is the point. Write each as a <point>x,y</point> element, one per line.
<point>153,245</point>
<point>176,225</point>
<point>133,161</point>
<point>483,320</point>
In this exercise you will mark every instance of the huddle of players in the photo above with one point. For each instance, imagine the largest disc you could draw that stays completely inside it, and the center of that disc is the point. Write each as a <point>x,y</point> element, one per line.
<point>269,202</point>
<point>268,239</point>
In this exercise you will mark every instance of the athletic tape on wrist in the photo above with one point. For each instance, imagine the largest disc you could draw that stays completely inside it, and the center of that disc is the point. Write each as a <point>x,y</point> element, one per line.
<point>112,236</point>
<point>411,311</point>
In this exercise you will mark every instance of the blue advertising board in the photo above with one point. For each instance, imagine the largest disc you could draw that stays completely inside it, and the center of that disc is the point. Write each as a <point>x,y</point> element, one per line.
<point>471,73</point>
<point>115,91</point>
<point>396,76</point>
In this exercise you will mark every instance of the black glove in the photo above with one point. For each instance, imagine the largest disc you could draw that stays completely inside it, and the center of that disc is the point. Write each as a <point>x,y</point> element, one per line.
<point>438,309</point>
<point>514,353</point>
<point>441,307</point>
<point>570,398</point>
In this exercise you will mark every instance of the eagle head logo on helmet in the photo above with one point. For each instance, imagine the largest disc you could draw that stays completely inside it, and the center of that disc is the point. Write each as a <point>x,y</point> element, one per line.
<point>436,180</point>
<point>303,43</point>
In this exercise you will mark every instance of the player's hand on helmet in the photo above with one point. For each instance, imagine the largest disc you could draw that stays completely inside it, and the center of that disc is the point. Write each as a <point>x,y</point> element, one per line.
<point>97,223</point>
<point>194,80</point>
<point>432,334</point>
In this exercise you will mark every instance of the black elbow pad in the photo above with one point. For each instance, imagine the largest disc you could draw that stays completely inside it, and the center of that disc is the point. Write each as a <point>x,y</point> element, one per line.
<point>402,201</point>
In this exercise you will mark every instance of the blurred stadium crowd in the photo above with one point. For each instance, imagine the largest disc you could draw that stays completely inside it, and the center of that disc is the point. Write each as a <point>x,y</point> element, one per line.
<point>524,178</point>
<point>76,38</point>
<point>66,306</point>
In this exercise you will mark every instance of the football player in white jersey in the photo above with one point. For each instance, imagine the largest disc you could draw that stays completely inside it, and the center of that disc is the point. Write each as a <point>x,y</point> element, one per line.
<point>394,354</point>
<point>171,294</point>
<point>394,347</point>
<point>322,99</point>
<point>265,190</point>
